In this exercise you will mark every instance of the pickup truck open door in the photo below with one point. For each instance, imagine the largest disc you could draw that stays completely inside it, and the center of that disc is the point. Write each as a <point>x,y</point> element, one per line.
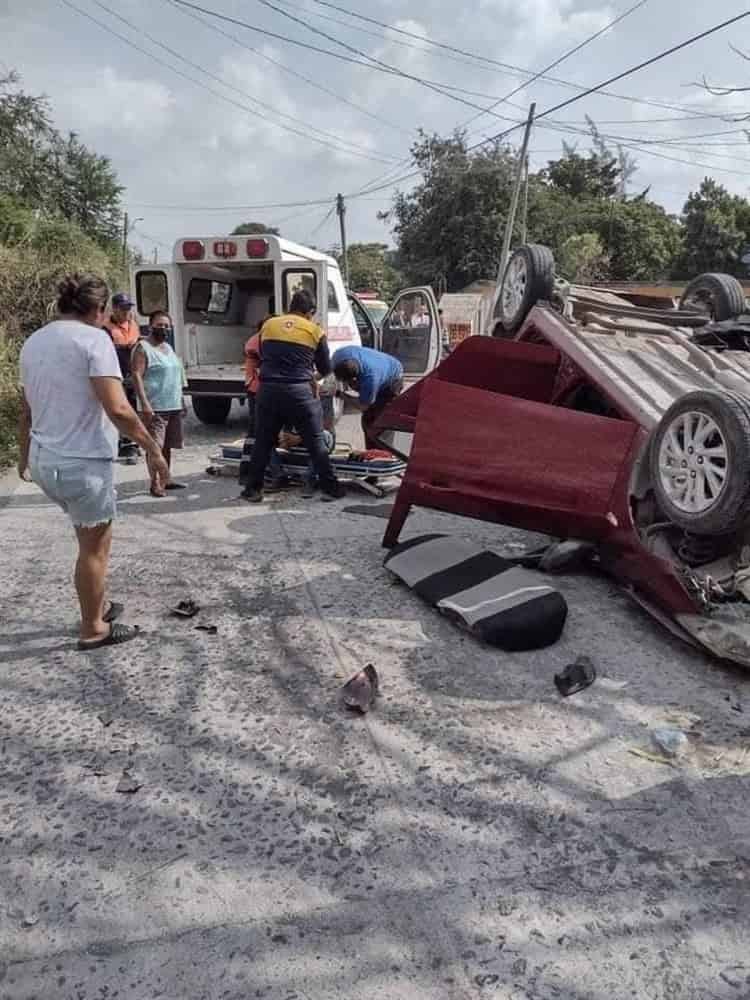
<point>411,332</point>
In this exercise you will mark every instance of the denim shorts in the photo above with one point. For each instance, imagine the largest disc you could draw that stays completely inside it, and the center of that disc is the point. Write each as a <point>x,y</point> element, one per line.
<point>83,487</point>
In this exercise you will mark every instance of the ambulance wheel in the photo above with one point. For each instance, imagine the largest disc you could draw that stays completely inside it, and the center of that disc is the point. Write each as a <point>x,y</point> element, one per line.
<point>212,409</point>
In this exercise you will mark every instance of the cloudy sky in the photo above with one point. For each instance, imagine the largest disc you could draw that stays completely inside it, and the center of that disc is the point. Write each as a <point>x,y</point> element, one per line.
<point>233,117</point>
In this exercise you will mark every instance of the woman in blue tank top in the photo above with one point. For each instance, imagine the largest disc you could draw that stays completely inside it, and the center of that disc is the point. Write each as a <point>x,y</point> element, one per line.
<point>159,379</point>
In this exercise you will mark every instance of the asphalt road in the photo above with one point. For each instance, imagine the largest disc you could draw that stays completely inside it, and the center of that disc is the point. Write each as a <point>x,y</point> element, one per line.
<point>475,836</point>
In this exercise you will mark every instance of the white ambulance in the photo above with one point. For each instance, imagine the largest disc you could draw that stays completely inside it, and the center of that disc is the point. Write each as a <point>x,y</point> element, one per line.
<point>218,288</point>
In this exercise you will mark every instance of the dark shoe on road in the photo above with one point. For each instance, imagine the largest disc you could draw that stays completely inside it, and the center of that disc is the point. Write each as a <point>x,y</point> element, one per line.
<point>252,496</point>
<point>175,486</point>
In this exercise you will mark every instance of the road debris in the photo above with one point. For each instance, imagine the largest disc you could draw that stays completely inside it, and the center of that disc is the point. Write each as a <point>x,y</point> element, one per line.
<point>361,690</point>
<point>576,676</point>
<point>653,757</point>
<point>29,920</point>
<point>128,785</point>
<point>185,609</point>
<point>672,742</point>
<point>209,629</point>
<point>383,510</point>
<point>562,557</point>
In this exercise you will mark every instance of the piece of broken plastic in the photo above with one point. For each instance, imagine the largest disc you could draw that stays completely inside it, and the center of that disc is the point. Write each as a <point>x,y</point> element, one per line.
<point>127,785</point>
<point>362,689</point>
<point>186,609</point>
<point>576,676</point>
<point>672,742</point>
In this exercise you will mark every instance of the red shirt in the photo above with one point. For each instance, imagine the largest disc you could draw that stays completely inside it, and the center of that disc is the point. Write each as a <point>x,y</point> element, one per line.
<point>252,363</point>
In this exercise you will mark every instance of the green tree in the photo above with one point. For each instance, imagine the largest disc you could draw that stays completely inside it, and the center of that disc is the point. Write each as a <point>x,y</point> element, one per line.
<point>55,175</point>
<point>87,190</point>
<point>639,237</point>
<point>254,229</point>
<point>716,228</point>
<point>449,228</point>
<point>26,138</point>
<point>592,176</point>
<point>370,268</point>
<point>582,259</point>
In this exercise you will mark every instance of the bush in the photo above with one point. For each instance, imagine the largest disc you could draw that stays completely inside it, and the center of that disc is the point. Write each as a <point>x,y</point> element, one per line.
<point>35,254</point>
<point>9,397</point>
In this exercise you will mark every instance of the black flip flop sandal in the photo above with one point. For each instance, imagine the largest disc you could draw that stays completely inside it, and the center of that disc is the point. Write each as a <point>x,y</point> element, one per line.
<point>117,635</point>
<point>175,486</point>
<point>113,612</point>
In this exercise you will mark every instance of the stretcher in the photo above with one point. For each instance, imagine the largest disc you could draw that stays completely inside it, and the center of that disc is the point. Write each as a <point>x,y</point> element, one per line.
<point>377,476</point>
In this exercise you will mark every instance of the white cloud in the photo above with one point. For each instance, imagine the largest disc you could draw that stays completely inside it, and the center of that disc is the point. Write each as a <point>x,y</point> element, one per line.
<point>116,103</point>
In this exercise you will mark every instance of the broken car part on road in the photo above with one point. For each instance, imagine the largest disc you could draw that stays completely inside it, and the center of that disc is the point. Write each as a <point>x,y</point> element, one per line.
<point>501,603</point>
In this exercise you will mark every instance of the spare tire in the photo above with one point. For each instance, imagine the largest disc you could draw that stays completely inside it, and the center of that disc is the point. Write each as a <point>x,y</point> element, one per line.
<point>700,462</point>
<point>719,296</point>
<point>529,278</point>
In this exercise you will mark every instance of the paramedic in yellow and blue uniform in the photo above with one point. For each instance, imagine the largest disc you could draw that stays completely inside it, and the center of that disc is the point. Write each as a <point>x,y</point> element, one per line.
<point>291,347</point>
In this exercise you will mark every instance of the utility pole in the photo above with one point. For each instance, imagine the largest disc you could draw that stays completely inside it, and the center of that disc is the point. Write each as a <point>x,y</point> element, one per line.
<point>525,208</point>
<point>125,231</point>
<point>510,222</point>
<point>341,212</point>
<point>156,255</point>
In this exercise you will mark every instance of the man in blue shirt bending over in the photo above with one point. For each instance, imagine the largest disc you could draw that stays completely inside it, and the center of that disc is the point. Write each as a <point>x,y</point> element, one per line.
<point>376,377</point>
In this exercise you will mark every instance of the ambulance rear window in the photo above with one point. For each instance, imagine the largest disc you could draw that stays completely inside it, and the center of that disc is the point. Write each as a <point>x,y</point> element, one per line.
<point>208,296</point>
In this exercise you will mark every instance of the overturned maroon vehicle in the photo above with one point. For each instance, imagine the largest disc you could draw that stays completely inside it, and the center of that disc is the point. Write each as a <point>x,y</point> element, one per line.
<point>587,417</point>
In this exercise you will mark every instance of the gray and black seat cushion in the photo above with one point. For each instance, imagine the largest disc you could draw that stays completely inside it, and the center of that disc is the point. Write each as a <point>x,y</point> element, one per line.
<point>500,602</point>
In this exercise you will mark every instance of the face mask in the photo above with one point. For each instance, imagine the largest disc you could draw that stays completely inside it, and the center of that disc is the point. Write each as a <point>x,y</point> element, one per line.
<point>159,333</point>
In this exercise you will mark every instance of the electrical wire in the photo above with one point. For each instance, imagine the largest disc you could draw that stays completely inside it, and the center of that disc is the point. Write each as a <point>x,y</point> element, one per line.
<point>307,46</point>
<point>212,76</point>
<point>322,223</point>
<point>561,59</point>
<point>509,68</point>
<point>437,88</point>
<point>214,93</point>
<point>233,208</point>
<point>644,64</point>
<point>287,69</point>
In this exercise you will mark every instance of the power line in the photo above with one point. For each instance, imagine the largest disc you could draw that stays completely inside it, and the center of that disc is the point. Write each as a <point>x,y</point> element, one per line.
<point>229,86</point>
<point>214,93</point>
<point>376,62</point>
<point>506,67</point>
<point>393,41</point>
<point>232,208</point>
<point>288,69</point>
<point>645,63</point>
<point>566,55</point>
<point>322,223</point>
<point>307,46</point>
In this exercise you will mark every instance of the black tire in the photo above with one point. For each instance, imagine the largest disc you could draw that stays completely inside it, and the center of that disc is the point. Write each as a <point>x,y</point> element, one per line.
<point>513,308</point>
<point>719,296</point>
<point>728,508</point>
<point>212,409</point>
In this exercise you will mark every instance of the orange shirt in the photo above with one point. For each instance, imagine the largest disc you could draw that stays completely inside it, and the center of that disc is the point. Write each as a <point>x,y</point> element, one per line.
<point>252,363</point>
<point>123,334</point>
